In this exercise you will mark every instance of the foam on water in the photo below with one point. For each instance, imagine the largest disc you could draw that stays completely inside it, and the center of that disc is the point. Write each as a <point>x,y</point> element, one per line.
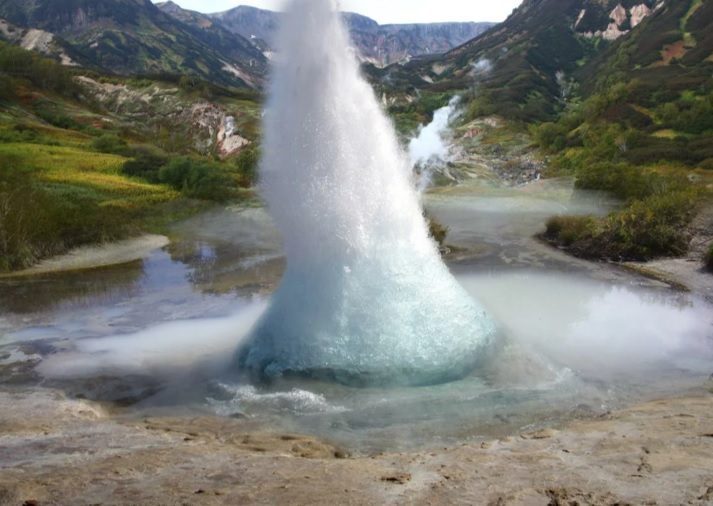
<point>365,297</point>
<point>247,397</point>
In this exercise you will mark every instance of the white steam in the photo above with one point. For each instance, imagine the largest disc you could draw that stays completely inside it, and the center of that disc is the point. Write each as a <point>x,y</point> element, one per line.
<point>597,329</point>
<point>431,147</point>
<point>482,67</point>
<point>165,350</point>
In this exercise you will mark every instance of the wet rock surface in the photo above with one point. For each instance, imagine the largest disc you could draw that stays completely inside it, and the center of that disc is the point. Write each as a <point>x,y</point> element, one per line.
<point>61,451</point>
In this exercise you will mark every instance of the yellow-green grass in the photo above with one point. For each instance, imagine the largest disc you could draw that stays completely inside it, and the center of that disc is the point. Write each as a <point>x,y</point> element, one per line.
<point>643,110</point>
<point>44,132</point>
<point>690,41</point>
<point>98,172</point>
<point>667,133</point>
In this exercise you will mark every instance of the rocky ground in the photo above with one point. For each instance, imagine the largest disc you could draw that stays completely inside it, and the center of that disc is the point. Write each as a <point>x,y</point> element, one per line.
<point>75,453</point>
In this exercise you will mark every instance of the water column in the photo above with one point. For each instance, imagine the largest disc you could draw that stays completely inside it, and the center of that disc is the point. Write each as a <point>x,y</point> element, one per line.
<point>365,298</point>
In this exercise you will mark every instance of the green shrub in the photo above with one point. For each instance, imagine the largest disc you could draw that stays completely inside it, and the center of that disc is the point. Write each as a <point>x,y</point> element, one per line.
<point>646,229</point>
<point>550,136</point>
<point>175,172</point>
<point>706,164</point>
<point>568,230</point>
<point>627,182</point>
<point>19,133</point>
<point>146,163</point>
<point>651,228</point>
<point>437,230</point>
<point>198,178</point>
<point>110,143</point>
<point>59,120</point>
<point>247,163</point>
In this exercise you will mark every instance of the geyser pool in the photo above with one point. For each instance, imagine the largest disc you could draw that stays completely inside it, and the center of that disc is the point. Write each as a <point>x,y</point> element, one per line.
<point>365,298</point>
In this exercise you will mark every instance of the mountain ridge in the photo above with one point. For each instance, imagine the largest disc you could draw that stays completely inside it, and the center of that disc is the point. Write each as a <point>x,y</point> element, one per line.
<point>523,66</point>
<point>378,44</point>
<point>136,37</point>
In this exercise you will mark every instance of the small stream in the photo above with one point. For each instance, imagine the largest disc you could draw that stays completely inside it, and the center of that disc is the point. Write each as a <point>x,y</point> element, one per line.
<point>157,335</point>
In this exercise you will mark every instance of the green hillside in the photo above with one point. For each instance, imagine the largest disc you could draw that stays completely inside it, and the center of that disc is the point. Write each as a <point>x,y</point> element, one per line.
<point>132,37</point>
<point>617,94</point>
<point>644,133</point>
<point>73,172</point>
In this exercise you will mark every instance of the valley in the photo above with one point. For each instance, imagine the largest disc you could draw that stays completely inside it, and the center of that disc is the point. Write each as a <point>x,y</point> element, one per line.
<point>562,160</point>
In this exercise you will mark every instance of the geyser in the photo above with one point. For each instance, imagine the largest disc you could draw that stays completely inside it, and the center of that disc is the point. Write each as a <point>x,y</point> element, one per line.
<point>365,298</point>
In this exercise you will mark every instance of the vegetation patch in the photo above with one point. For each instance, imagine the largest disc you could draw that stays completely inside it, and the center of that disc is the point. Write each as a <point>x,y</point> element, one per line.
<point>646,229</point>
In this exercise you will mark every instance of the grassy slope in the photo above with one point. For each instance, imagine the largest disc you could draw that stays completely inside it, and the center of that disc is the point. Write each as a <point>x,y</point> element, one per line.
<point>134,37</point>
<point>645,134</point>
<point>59,190</point>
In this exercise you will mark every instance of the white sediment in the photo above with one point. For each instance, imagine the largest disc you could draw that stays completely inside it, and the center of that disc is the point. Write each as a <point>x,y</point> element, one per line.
<point>102,255</point>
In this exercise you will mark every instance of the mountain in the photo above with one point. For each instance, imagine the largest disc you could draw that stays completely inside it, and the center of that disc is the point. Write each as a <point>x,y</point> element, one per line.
<point>43,42</point>
<point>378,44</point>
<point>386,44</point>
<point>257,25</point>
<point>672,50</point>
<point>524,65</point>
<point>136,37</point>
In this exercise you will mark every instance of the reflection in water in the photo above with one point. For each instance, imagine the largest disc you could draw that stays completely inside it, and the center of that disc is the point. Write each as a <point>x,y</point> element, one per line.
<point>227,268</point>
<point>58,291</point>
<point>230,251</point>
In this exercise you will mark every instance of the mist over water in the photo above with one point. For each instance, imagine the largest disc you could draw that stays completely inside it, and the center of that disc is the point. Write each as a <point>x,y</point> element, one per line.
<point>365,297</point>
<point>574,347</point>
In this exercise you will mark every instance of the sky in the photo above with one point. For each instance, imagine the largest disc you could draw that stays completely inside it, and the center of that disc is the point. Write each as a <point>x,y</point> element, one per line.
<point>387,11</point>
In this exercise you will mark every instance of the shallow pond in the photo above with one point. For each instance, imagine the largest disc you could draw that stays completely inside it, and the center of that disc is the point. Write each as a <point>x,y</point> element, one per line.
<point>157,335</point>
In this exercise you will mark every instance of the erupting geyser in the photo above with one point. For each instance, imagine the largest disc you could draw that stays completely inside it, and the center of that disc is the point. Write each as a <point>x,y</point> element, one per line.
<point>365,298</point>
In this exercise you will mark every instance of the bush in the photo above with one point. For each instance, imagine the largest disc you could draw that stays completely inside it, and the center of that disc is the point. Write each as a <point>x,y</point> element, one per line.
<point>146,163</point>
<point>19,133</point>
<point>437,230</point>
<point>247,163</point>
<point>706,164</point>
<point>650,228</point>
<point>59,120</point>
<point>645,229</point>
<point>709,258</point>
<point>550,136</point>
<point>198,178</point>
<point>110,143</point>
<point>626,181</point>
<point>568,230</point>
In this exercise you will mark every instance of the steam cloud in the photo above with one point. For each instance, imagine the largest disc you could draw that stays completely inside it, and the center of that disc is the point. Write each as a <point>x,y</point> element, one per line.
<point>430,148</point>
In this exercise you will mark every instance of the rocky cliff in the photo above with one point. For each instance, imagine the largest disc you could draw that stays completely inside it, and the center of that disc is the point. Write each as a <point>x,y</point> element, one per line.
<point>378,44</point>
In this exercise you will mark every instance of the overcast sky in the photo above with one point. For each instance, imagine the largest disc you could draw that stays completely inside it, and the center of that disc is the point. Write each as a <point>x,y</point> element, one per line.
<point>387,11</point>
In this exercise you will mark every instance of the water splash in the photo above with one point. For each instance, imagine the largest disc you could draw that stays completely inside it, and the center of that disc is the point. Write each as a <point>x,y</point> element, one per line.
<point>365,298</point>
